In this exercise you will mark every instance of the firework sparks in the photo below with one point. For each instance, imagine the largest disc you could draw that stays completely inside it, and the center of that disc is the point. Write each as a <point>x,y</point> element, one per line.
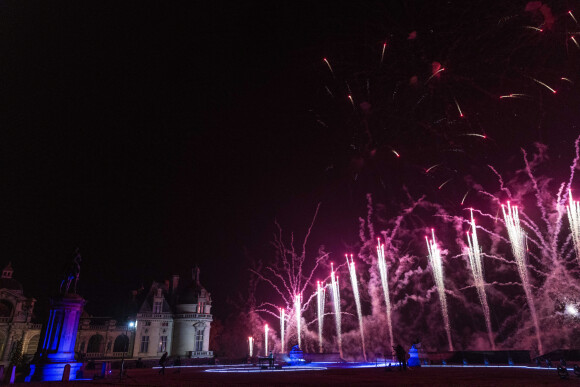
<point>475,261</point>
<point>329,66</point>
<point>573,210</point>
<point>354,283</point>
<point>431,168</point>
<point>534,28</point>
<point>336,301</point>
<point>572,16</point>
<point>383,53</point>
<point>543,84</point>
<point>575,41</point>
<point>518,243</point>
<point>514,95</point>
<point>437,268</point>
<point>395,153</point>
<point>458,108</point>
<point>464,196</point>
<point>385,282</point>
<point>445,182</point>
<point>567,80</point>
<point>282,319</point>
<point>435,74</point>
<point>351,100</point>
<point>266,329</point>
<point>320,298</point>
<point>251,345</point>
<point>297,311</point>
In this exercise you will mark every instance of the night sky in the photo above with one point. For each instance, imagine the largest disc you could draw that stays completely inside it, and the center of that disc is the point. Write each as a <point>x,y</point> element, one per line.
<point>158,137</point>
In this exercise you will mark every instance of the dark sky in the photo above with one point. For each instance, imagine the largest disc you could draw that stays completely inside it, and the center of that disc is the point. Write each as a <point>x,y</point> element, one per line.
<point>157,137</point>
<point>152,137</point>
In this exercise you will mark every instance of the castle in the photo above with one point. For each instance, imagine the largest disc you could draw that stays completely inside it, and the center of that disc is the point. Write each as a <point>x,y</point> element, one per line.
<point>173,316</point>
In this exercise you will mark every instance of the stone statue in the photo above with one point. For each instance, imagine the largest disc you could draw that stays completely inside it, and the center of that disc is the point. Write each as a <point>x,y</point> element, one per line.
<point>71,273</point>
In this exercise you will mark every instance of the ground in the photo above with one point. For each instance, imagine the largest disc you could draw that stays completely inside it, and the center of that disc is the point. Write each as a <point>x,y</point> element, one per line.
<point>425,376</point>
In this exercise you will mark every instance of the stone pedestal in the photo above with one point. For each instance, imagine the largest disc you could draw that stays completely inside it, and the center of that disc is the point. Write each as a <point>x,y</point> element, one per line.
<point>58,340</point>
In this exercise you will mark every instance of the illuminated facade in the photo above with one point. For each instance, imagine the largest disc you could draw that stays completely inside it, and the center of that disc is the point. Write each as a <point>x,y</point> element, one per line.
<point>174,317</point>
<point>15,318</point>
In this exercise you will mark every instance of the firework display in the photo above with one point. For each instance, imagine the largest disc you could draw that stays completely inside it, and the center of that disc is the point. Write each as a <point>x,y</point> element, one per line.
<point>410,119</point>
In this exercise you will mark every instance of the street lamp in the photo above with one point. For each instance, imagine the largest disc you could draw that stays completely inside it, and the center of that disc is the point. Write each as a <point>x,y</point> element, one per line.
<point>130,325</point>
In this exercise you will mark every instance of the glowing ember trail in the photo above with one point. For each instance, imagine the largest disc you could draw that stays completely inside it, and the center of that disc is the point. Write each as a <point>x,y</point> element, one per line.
<point>437,268</point>
<point>574,219</point>
<point>543,84</point>
<point>475,261</point>
<point>251,345</point>
<point>282,318</point>
<point>320,296</point>
<point>518,242</point>
<point>336,301</point>
<point>572,16</point>
<point>385,282</point>
<point>383,53</point>
<point>266,329</point>
<point>329,66</point>
<point>297,311</point>
<point>354,283</point>
<point>458,108</point>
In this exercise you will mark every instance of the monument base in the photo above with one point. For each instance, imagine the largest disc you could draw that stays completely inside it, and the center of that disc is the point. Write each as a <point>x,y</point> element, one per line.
<point>50,372</point>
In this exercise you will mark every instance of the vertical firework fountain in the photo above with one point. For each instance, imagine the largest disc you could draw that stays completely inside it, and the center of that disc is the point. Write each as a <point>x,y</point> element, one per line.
<point>574,219</point>
<point>385,282</point>
<point>518,242</point>
<point>282,318</point>
<point>266,329</point>
<point>355,292</point>
<point>437,267</point>
<point>320,297</point>
<point>475,261</point>
<point>251,345</point>
<point>297,311</point>
<point>336,302</point>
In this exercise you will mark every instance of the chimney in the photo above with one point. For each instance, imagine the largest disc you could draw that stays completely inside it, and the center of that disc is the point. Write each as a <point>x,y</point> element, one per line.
<point>174,282</point>
<point>195,273</point>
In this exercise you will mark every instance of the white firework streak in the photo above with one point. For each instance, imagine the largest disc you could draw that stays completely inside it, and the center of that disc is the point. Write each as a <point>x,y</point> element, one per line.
<point>336,301</point>
<point>518,244</point>
<point>437,267</point>
<point>475,261</point>
<point>385,282</point>
<point>297,310</point>
<point>251,345</point>
<point>354,282</point>
<point>573,210</point>
<point>320,297</point>
<point>266,339</point>
<point>282,320</point>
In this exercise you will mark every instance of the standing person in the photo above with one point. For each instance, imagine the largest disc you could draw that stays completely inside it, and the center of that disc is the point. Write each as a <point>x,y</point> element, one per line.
<point>401,355</point>
<point>162,363</point>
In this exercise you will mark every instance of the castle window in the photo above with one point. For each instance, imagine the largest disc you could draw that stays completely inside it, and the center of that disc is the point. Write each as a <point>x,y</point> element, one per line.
<point>200,307</point>
<point>157,306</point>
<point>199,340</point>
<point>162,344</point>
<point>147,323</point>
<point>164,324</point>
<point>144,344</point>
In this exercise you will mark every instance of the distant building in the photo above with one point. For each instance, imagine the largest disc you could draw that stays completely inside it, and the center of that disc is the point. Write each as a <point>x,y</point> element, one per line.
<point>15,318</point>
<point>173,316</point>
